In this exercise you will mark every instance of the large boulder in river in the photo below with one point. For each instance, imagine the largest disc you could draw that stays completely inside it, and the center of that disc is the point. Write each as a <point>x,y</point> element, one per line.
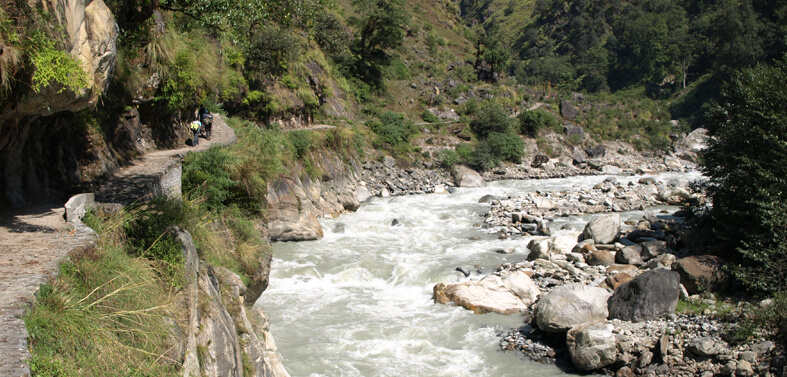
<point>592,346</point>
<point>466,177</point>
<point>648,296</point>
<point>513,293</point>
<point>570,305</point>
<point>604,229</point>
<point>702,272</point>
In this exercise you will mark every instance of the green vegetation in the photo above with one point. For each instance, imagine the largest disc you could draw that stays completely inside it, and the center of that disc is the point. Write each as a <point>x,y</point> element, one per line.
<point>531,123</point>
<point>746,164</point>
<point>104,315</point>
<point>492,117</point>
<point>392,130</point>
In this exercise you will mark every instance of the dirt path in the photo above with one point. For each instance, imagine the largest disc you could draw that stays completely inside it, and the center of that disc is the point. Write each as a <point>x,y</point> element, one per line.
<point>34,240</point>
<point>314,127</point>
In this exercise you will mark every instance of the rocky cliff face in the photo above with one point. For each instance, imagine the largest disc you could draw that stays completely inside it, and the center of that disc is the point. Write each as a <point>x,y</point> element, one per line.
<point>41,151</point>
<point>295,203</point>
<point>222,336</point>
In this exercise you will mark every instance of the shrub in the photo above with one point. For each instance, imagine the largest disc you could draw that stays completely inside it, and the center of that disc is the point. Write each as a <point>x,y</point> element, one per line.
<point>392,128</point>
<point>301,142</point>
<point>746,164</point>
<point>532,122</point>
<point>483,158</point>
<point>506,147</point>
<point>333,37</point>
<point>448,158</point>
<point>148,234</point>
<point>427,116</point>
<point>492,117</point>
<point>270,52</point>
<point>53,65</point>
<point>207,175</point>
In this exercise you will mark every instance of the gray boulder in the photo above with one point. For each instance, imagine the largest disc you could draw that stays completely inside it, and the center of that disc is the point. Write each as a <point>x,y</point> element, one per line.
<point>706,346</point>
<point>466,177</point>
<point>603,229</point>
<point>596,151</point>
<point>567,110</point>
<point>648,296</point>
<point>538,160</point>
<point>592,346</point>
<point>570,305</point>
<point>630,255</point>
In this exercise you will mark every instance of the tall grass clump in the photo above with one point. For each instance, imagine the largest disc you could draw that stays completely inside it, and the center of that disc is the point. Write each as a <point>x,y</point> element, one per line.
<point>106,314</point>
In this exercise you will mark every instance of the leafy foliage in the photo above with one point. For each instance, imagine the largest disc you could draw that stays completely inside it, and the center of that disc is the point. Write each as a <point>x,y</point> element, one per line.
<point>207,175</point>
<point>506,147</point>
<point>492,117</point>
<point>532,122</point>
<point>381,27</point>
<point>747,166</point>
<point>392,129</point>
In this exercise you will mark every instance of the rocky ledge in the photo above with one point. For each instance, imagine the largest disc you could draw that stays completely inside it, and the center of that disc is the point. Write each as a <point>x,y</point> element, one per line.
<point>604,299</point>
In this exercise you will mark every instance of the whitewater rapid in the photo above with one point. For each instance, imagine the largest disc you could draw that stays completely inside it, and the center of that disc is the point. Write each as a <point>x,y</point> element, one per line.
<point>358,302</point>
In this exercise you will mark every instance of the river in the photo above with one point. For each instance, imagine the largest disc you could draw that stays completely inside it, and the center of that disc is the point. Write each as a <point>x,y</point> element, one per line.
<point>358,302</point>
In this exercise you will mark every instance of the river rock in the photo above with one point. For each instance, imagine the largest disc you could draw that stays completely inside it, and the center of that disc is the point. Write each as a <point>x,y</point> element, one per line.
<point>604,229</point>
<point>706,346</point>
<point>570,305</point>
<point>596,151</point>
<point>652,249</point>
<point>511,294</point>
<point>600,258</point>
<point>630,255</point>
<point>592,346</point>
<point>650,295</point>
<point>363,194</point>
<point>539,249</point>
<point>538,160</point>
<point>618,279</point>
<point>702,272</point>
<point>466,177</point>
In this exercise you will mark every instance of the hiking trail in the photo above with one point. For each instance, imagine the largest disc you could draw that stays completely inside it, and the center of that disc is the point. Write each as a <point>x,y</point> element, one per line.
<point>34,240</point>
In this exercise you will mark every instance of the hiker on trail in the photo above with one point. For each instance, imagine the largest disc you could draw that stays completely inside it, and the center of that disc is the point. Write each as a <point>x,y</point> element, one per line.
<point>207,120</point>
<point>195,127</point>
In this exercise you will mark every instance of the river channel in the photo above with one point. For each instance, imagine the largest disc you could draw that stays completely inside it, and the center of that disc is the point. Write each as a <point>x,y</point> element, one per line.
<point>358,302</point>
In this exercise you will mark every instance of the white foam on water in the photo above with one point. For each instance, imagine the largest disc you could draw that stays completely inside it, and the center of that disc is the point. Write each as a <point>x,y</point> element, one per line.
<point>359,303</point>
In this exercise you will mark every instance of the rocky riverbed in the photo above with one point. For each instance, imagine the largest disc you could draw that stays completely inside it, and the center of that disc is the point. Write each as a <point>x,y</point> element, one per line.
<point>604,299</point>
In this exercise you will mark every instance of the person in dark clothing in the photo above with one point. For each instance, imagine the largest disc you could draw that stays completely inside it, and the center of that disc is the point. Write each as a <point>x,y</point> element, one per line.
<point>207,120</point>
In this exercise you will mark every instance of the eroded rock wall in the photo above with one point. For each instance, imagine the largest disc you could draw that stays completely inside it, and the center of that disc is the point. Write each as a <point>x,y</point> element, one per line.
<point>223,337</point>
<point>296,202</point>
<point>41,152</point>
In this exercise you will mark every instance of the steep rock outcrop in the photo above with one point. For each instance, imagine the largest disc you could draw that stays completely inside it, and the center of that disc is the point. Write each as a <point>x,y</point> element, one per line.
<point>38,155</point>
<point>221,332</point>
<point>295,203</point>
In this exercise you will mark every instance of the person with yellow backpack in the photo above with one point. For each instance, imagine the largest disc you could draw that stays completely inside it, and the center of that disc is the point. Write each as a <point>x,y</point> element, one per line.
<point>195,126</point>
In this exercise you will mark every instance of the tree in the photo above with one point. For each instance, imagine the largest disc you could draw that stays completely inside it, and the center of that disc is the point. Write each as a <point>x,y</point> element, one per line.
<point>381,27</point>
<point>747,166</point>
<point>491,118</point>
